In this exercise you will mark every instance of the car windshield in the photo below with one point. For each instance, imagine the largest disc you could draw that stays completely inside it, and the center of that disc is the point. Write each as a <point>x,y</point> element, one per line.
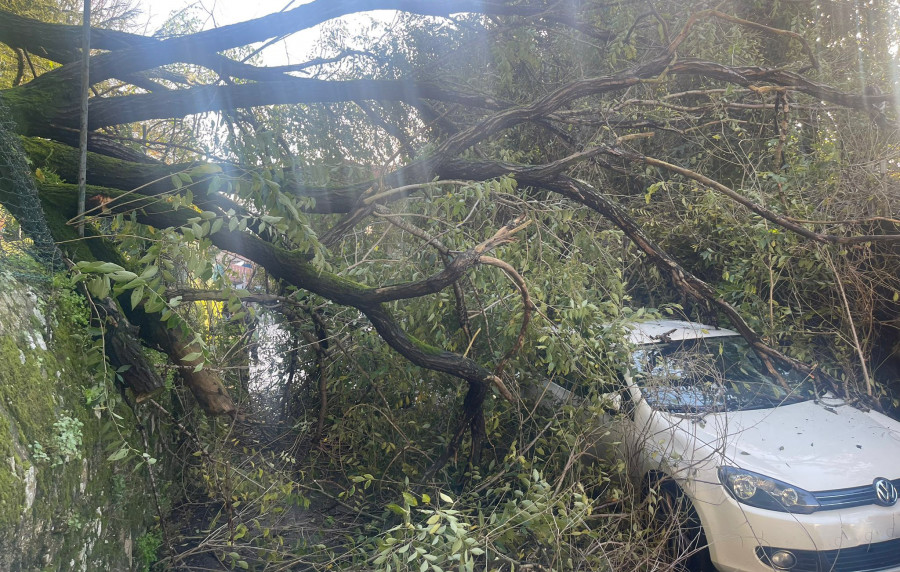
<point>713,374</point>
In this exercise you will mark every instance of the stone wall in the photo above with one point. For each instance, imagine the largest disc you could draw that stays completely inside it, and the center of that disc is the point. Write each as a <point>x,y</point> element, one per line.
<point>63,504</point>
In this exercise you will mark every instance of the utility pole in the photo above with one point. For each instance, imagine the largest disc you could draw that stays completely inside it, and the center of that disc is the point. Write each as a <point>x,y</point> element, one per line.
<point>83,135</point>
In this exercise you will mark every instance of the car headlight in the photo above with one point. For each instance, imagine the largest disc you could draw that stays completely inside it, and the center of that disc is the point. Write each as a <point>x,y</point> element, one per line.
<point>765,492</point>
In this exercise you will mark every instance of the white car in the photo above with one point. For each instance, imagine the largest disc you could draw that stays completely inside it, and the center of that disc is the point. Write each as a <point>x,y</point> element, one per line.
<point>766,475</point>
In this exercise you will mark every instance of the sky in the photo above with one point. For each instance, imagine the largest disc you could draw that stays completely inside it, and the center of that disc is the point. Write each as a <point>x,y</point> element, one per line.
<point>223,12</point>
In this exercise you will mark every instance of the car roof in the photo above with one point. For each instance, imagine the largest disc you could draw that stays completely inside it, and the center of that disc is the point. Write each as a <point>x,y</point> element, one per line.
<point>657,331</point>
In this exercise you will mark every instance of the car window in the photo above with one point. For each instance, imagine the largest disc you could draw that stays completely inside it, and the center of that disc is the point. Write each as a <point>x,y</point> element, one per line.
<point>713,374</point>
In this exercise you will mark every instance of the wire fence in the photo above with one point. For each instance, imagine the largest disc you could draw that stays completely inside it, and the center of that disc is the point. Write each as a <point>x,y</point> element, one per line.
<point>27,249</point>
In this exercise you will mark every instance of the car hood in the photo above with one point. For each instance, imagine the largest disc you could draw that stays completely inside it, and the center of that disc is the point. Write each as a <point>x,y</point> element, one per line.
<point>817,446</point>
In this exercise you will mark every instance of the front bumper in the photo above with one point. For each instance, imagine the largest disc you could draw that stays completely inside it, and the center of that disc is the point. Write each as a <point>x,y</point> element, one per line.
<point>859,539</point>
<point>875,556</point>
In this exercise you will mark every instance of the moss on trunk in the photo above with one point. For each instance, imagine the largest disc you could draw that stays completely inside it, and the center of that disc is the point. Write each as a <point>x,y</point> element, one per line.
<point>40,107</point>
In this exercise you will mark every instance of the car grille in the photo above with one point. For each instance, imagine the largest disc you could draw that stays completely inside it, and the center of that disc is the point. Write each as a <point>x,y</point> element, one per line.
<point>866,558</point>
<point>846,498</point>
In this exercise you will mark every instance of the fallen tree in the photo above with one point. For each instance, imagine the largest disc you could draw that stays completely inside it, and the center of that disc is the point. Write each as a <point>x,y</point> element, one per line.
<point>581,137</point>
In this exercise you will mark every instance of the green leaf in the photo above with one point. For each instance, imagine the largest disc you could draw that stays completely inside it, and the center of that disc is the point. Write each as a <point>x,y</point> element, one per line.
<point>136,296</point>
<point>192,356</point>
<point>149,272</point>
<point>396,509</point>
<point>105,268</point>
<point>154,305</point>
<point>118,455</point>
<point>176,181</point>
<point>131,285</point>
<point>123,276</point>
<point>98,287</point>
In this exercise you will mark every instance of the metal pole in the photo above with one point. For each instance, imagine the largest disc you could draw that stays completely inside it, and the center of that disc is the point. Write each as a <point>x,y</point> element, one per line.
<point>83,135</point>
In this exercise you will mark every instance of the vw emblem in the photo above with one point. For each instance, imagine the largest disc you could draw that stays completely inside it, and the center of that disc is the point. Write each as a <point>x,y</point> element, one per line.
<point>885,492</point>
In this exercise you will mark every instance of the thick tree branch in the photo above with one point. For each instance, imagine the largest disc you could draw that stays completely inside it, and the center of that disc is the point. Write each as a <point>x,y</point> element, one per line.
<point>106,66</point>
<point>294,268</point>
<point>177,103</point>
<point>748,76</point>
<point>489,261</point>
<point>155,179</point>
<point>582,193</point>
<point>462,315</point>
<point>59,42</point>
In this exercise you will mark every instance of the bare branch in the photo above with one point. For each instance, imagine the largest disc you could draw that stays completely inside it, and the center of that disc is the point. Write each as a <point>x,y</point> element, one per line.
<point>767,214</point>
<point>201,295</point>
<point>527,304</point>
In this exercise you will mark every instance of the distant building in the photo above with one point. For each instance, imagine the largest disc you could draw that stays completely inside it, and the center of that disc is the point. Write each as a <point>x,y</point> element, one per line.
<point>235,268</point>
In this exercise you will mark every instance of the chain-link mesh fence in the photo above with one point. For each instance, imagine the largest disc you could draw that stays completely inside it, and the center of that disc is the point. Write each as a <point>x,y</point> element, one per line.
<point>27,249</point>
